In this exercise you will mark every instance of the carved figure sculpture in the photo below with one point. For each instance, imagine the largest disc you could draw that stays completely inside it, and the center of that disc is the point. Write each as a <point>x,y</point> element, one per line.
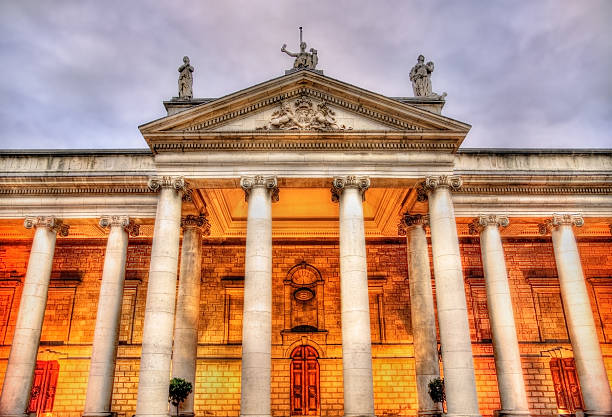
<point>420,75</point>
<point>301,114</point>
<point>185,81</point>
<point>303,59</point>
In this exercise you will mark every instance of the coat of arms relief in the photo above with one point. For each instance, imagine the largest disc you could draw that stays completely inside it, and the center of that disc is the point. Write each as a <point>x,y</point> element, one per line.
<point>303,114</point>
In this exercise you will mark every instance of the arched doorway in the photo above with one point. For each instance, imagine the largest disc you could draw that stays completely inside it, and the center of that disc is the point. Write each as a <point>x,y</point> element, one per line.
<point>305,390</point>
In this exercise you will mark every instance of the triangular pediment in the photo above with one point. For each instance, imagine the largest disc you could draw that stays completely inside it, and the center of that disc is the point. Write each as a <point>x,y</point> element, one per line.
<point>302,103</point>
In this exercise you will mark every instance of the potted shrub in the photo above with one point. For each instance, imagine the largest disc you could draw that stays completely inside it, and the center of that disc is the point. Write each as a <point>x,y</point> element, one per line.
<point>178,391</point>
<point>436,391</point>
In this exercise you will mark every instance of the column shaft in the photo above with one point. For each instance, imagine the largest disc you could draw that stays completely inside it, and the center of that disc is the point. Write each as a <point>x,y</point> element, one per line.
<point>505,343</point>
<point>257,315</point>
<point>459,377</point>
<point>581,325</point>
<point>188,308</point>
<point>354,301</point>
<point>24,348</point>
<point>108,318</point>
<point>422,314</point>
<point>159,310</point>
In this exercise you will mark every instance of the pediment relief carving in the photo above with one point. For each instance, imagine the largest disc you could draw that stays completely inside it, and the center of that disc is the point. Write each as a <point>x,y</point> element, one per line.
<point>303,113</point>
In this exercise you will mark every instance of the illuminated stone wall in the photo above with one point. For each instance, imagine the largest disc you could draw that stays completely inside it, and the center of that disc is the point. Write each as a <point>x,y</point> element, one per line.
<point>71,311</point>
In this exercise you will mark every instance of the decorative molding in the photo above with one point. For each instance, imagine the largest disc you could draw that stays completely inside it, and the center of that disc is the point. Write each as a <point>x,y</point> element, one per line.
<point>482,221</point>
<point>533,189</point>
<point>351,181</point>
<point>270,183</point>
<point>434,182</point>
<point>264,144</point>
<point>178,183</point>
<point>409,221</point>
<point>51,222</point>
<point>77,189</point>
<point>125,222</point>
<point>560,219</point>
<point>196,222</point>
<point>304,91</point>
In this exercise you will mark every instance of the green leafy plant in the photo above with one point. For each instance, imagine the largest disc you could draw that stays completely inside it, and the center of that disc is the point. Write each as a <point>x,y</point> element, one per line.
<point>178,391</point>
<point>436,391</point>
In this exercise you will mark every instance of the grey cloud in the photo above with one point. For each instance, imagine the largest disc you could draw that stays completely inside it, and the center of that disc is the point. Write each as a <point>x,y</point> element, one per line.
<point>86,74</point>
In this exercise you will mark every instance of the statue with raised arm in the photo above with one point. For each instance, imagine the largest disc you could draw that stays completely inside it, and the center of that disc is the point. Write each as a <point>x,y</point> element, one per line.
<point>185,81</point>
<point>303,59</point>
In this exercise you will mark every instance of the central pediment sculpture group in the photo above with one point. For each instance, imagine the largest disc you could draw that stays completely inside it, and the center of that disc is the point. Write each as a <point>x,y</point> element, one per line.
<point>303,114</point>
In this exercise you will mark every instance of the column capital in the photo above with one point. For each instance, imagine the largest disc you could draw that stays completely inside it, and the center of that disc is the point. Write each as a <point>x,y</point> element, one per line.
<point>434,182</point>
<point>350,181</point>
<point>484,220</point>
<point>259,181</point>
<point>196,222</point>
<point>178,183</point>
<point>52,223</point>
<point>561,219</point>
<point>409,221</point>
<point>124,222</point>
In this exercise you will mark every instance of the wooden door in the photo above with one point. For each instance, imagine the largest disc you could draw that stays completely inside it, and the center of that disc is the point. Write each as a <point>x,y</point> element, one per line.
<point>567,387</point>
<point>304,382</point>
<point>42,394</point>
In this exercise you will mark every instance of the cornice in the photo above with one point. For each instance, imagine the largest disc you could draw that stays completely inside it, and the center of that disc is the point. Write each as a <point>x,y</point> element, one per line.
<point>25,189</point>
<point>259,140</point>
<point>534,189</point>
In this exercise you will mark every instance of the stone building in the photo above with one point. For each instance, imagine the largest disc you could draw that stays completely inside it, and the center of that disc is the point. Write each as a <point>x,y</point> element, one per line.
<point>306,247</point>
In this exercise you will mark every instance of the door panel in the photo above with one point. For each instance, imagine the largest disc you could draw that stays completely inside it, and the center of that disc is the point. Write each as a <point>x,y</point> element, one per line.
<point>305,381</point>
<point>42,395</point>
<point>567,387</point>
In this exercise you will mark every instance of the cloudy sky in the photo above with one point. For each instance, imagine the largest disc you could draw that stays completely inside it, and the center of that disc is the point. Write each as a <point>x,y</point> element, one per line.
<point>85,74</point>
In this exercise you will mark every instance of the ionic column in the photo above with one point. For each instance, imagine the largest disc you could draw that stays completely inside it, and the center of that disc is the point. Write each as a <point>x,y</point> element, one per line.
<point>184,356</point>
<point>355,306</point>
<point>161,291</point>
<point>580,323</point>
<point>499,301</point>
<point>422,313</point>
<point>257,316</point>
<point>459,377</point>
<point>108,318</point>
<point>24,348</point>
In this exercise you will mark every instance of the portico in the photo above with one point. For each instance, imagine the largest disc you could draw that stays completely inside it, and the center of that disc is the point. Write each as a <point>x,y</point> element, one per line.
<point>306,173</point>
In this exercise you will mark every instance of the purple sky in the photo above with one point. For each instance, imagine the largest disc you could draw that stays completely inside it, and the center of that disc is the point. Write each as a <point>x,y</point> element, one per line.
<point>85,74</point>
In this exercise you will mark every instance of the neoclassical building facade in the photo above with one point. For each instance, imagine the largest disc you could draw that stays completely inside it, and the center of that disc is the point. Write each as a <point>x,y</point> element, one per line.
<point>305,247</point>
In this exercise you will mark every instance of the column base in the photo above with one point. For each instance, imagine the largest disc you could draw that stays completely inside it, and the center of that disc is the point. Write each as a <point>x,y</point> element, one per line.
<point>591,413</point>
<point>19,415</point>
<point>255,415</point>
<point>429,413</point>
<point>511,413</point>
<point>100,414</point>
<point>359,415</point>
<point>461,415</point>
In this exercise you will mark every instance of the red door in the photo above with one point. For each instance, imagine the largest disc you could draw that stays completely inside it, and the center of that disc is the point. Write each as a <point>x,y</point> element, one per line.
<point>304,381</point>
<point>567,388</point>
<point>42,395</point>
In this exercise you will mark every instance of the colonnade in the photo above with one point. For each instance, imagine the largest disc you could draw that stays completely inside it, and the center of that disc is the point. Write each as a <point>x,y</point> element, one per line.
<point>160,327</point>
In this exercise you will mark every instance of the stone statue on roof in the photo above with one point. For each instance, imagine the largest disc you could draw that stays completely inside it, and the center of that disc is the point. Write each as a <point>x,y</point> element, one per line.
<point>303,59</point>
<point>420,76</point>
<point>185,81</point>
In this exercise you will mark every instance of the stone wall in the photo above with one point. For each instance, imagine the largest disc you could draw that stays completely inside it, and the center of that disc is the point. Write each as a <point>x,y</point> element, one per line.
<point>71,311</point>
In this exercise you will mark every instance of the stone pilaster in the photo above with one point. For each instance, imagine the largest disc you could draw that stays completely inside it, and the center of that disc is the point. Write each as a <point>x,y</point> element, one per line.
<point>580,323</point>
<point>459,377</point>
<point>355,308</point>
<point>24,348</point>
<point>108,318</point>
<point>155,359</point>
<point>188,305</point>
<point>255,399</point>
<point>422,313</point>
<point>508,367</point>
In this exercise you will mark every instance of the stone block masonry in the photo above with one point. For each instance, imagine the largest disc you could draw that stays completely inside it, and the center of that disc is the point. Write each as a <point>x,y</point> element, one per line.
<point>77,269</point>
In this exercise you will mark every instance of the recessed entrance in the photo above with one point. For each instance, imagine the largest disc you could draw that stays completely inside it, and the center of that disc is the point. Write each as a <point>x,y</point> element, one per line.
<point>305,392</point>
